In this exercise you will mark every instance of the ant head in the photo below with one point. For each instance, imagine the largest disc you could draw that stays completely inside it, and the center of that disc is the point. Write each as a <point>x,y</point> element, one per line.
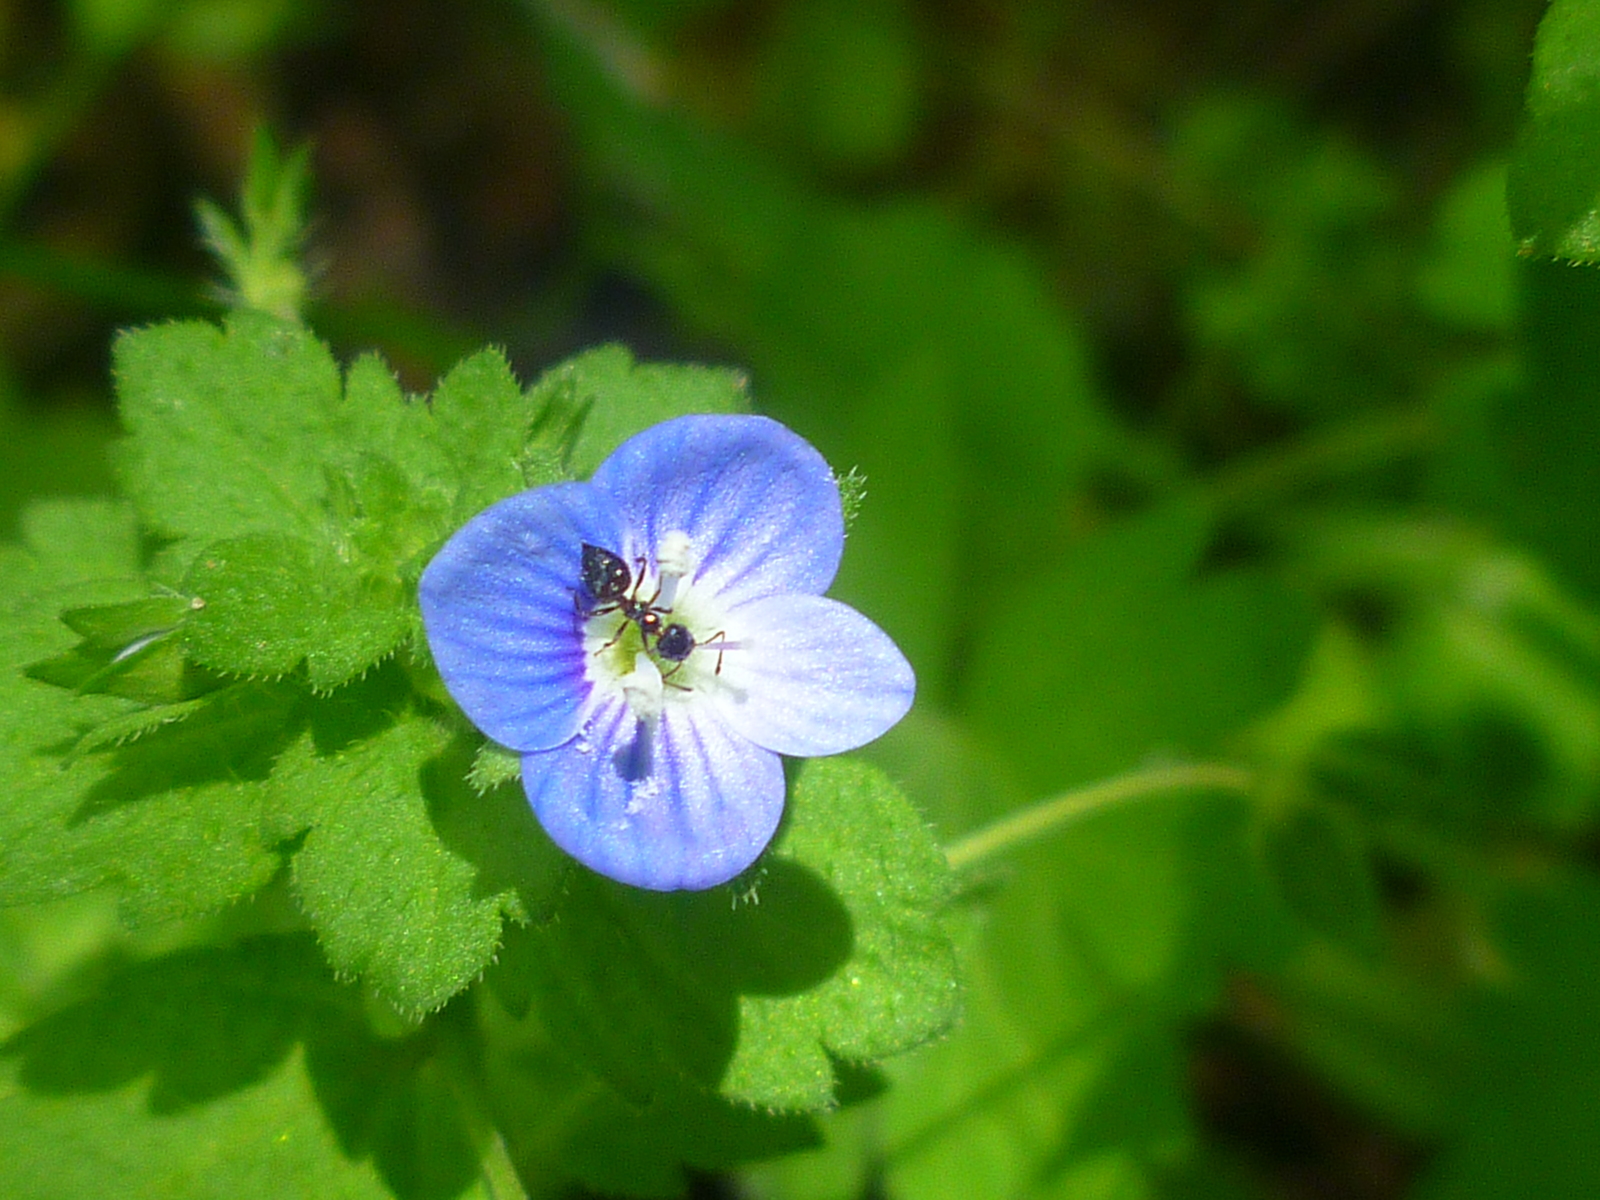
<point>675,643</point>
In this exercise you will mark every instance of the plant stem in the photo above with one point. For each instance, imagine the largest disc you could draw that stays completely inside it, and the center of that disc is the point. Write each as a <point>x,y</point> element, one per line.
<point>499,1172</point>
<point>1371,440</point>
<point>1049,815</point>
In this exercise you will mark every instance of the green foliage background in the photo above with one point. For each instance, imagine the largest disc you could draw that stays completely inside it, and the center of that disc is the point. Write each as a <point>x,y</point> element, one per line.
<point>1215,441</point>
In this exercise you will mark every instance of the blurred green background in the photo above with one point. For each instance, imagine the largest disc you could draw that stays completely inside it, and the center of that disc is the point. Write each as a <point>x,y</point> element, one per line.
<point>1203,412</point>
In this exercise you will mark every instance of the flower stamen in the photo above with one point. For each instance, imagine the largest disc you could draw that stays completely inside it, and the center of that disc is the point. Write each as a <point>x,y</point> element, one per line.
<point>673,561</point>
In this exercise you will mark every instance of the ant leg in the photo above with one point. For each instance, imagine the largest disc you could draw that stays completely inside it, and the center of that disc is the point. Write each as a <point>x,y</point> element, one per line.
<point>638,578</point>
<point>667,678</point>
<point>616,637</point>
<point>720,637</point>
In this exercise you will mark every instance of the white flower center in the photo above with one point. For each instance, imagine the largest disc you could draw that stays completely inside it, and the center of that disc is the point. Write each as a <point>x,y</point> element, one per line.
<point>663,641</point>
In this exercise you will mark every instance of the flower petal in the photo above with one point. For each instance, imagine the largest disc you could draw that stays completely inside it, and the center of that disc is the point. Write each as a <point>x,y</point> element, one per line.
<point>759,504</point>
<point>805,675</point>
<point>687,805</point>
<point>499,607</point>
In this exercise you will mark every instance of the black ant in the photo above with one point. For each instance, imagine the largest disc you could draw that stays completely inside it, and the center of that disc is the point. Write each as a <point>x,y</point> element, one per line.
<point>675,643</point>
<point>607,578</point>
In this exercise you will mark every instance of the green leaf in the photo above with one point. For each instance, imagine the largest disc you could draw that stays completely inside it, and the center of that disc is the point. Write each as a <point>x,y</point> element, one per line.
<point>1529,1125</point>
<point>153,671</point>
<point>59,450</point>
<point>469,444</point>
<point>73,541</point>
<point>225,426</point>
<point>378,418</point>
<point>388,523</point>
<point>127,650</point>
<point>562,1122</point>
<point>835,952</point>
<point>233,435</point>
<point>172,819</point>
<point>493,766</point>
<point>482,424</point>
<point>229,1073</point>
<point>1067,1076</point>
<point>263,604</point>
<point>37,720</point>
<point>116,626</point>
<point>134,724</point>
<point>316,506</point>
<point>618,398</point>
<point>1324,872</point>
<point>1553,192</point>
<point>898,988</point>
<point>1129,650</point>
<point>406,872</point>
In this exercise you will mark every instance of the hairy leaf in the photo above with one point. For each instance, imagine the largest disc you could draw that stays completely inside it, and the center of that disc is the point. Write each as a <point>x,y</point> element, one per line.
<point>614,398</point>
<point>561,1121</point>
<point>406,872</point>
<point>833,951</point>
<point>307,507</point>
<point>223,424</point>
<point>173,817</point>
<point>484,424</point>
<point>898,988</point>
<point>263,604</point>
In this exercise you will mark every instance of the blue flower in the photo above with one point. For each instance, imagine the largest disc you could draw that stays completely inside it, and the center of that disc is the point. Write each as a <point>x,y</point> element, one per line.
<point>651,641</point>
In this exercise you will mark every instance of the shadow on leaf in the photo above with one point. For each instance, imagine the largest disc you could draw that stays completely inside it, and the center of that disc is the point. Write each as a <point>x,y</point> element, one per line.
<point>233,736</point>
<point>494,830</point>
<point>644,987</point>
<point>203,1025</point>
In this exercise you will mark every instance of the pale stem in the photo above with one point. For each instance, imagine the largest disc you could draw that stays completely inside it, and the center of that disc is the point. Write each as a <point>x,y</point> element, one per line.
<point>499,1175</point>
<point>1049,815</point>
